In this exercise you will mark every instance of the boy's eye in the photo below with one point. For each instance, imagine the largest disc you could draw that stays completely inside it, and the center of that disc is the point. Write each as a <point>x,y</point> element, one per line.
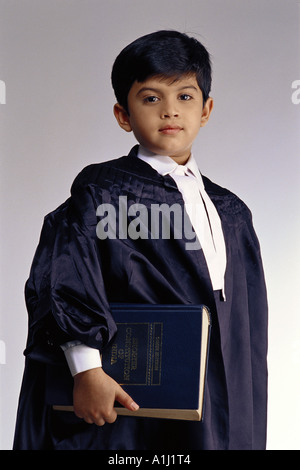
<point>185,97</point>
<point>150,99</point>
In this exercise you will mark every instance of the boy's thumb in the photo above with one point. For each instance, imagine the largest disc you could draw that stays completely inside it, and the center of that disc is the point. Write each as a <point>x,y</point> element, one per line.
<point>124,399</point>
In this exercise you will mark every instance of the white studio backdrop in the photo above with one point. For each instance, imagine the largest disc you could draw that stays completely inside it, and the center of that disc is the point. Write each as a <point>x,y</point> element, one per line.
<point>56,117</point>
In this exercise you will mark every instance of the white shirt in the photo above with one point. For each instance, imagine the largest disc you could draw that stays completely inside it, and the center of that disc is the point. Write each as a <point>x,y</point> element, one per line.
<point>206,223</point>
<point>201,211</point>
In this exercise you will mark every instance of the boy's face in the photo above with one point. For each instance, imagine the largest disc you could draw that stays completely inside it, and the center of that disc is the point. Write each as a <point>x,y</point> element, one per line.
<point>165,115</point>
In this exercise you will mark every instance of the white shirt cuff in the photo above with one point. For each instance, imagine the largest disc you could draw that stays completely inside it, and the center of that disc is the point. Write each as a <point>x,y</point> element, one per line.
<point>81,357</point>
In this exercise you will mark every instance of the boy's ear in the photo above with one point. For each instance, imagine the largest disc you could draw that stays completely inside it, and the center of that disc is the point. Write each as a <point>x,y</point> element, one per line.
<point>207,109</point>
<point>122,117</point>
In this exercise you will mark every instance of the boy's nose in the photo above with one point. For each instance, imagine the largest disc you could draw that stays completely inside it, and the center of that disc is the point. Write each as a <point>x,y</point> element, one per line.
<point>169,110</point>
<point>170,114</point>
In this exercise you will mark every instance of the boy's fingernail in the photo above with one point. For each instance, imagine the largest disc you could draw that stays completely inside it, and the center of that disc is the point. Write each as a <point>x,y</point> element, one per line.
<point>134,406</point>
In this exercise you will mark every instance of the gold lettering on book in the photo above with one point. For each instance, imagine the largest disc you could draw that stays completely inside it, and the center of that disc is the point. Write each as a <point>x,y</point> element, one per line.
<point>150,351</point>
<point>127,354</point>
<point>157,353</point>
<point>137,353</point>
<point>134,354</point>
<point>114,354</point>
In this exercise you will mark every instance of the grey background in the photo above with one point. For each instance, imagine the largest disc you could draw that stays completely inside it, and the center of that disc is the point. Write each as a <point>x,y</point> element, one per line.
<point>55,60</point>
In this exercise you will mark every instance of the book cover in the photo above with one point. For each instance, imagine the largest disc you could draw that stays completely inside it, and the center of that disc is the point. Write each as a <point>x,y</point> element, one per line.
<point>159,356</point>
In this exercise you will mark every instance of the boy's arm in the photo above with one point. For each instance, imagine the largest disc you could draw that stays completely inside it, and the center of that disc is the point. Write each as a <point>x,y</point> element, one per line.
<point>94,396</point>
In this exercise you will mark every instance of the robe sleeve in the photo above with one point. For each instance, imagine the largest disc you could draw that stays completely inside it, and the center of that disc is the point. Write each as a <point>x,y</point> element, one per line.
<point>258,322</point>
<point>65,293</point>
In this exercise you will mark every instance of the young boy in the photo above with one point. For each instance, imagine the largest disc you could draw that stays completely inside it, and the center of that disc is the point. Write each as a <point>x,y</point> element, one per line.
<point>162,83</point>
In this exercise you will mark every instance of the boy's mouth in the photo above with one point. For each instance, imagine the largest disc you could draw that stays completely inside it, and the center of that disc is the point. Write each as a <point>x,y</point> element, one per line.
<point>170,129</point>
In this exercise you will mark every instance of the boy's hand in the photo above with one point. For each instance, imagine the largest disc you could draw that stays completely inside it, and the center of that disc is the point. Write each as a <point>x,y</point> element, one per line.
<point>94,395</point>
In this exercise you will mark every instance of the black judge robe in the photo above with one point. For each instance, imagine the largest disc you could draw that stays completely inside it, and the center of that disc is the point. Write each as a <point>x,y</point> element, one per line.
<point>74,277</point>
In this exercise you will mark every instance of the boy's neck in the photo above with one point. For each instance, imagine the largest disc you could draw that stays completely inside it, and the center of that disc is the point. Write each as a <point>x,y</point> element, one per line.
<point>178,160</point>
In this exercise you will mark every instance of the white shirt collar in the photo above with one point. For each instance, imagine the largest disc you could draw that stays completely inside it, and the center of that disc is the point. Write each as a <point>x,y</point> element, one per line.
<point>166,165</point>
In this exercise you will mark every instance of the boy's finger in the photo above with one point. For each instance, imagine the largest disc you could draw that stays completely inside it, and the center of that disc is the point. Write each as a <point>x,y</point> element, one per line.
<point>124,399</point>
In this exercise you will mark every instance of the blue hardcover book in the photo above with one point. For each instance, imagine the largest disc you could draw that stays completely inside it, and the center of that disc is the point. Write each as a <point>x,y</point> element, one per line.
<point>159,356</point>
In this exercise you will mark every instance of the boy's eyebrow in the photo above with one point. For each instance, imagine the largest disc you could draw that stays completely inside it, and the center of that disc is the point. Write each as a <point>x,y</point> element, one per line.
<point>147,89</point>
<point>188,87</point>
<point>156,90</point>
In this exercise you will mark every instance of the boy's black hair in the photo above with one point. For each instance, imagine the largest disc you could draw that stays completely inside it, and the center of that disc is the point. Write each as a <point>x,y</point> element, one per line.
<point>162,53</point>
